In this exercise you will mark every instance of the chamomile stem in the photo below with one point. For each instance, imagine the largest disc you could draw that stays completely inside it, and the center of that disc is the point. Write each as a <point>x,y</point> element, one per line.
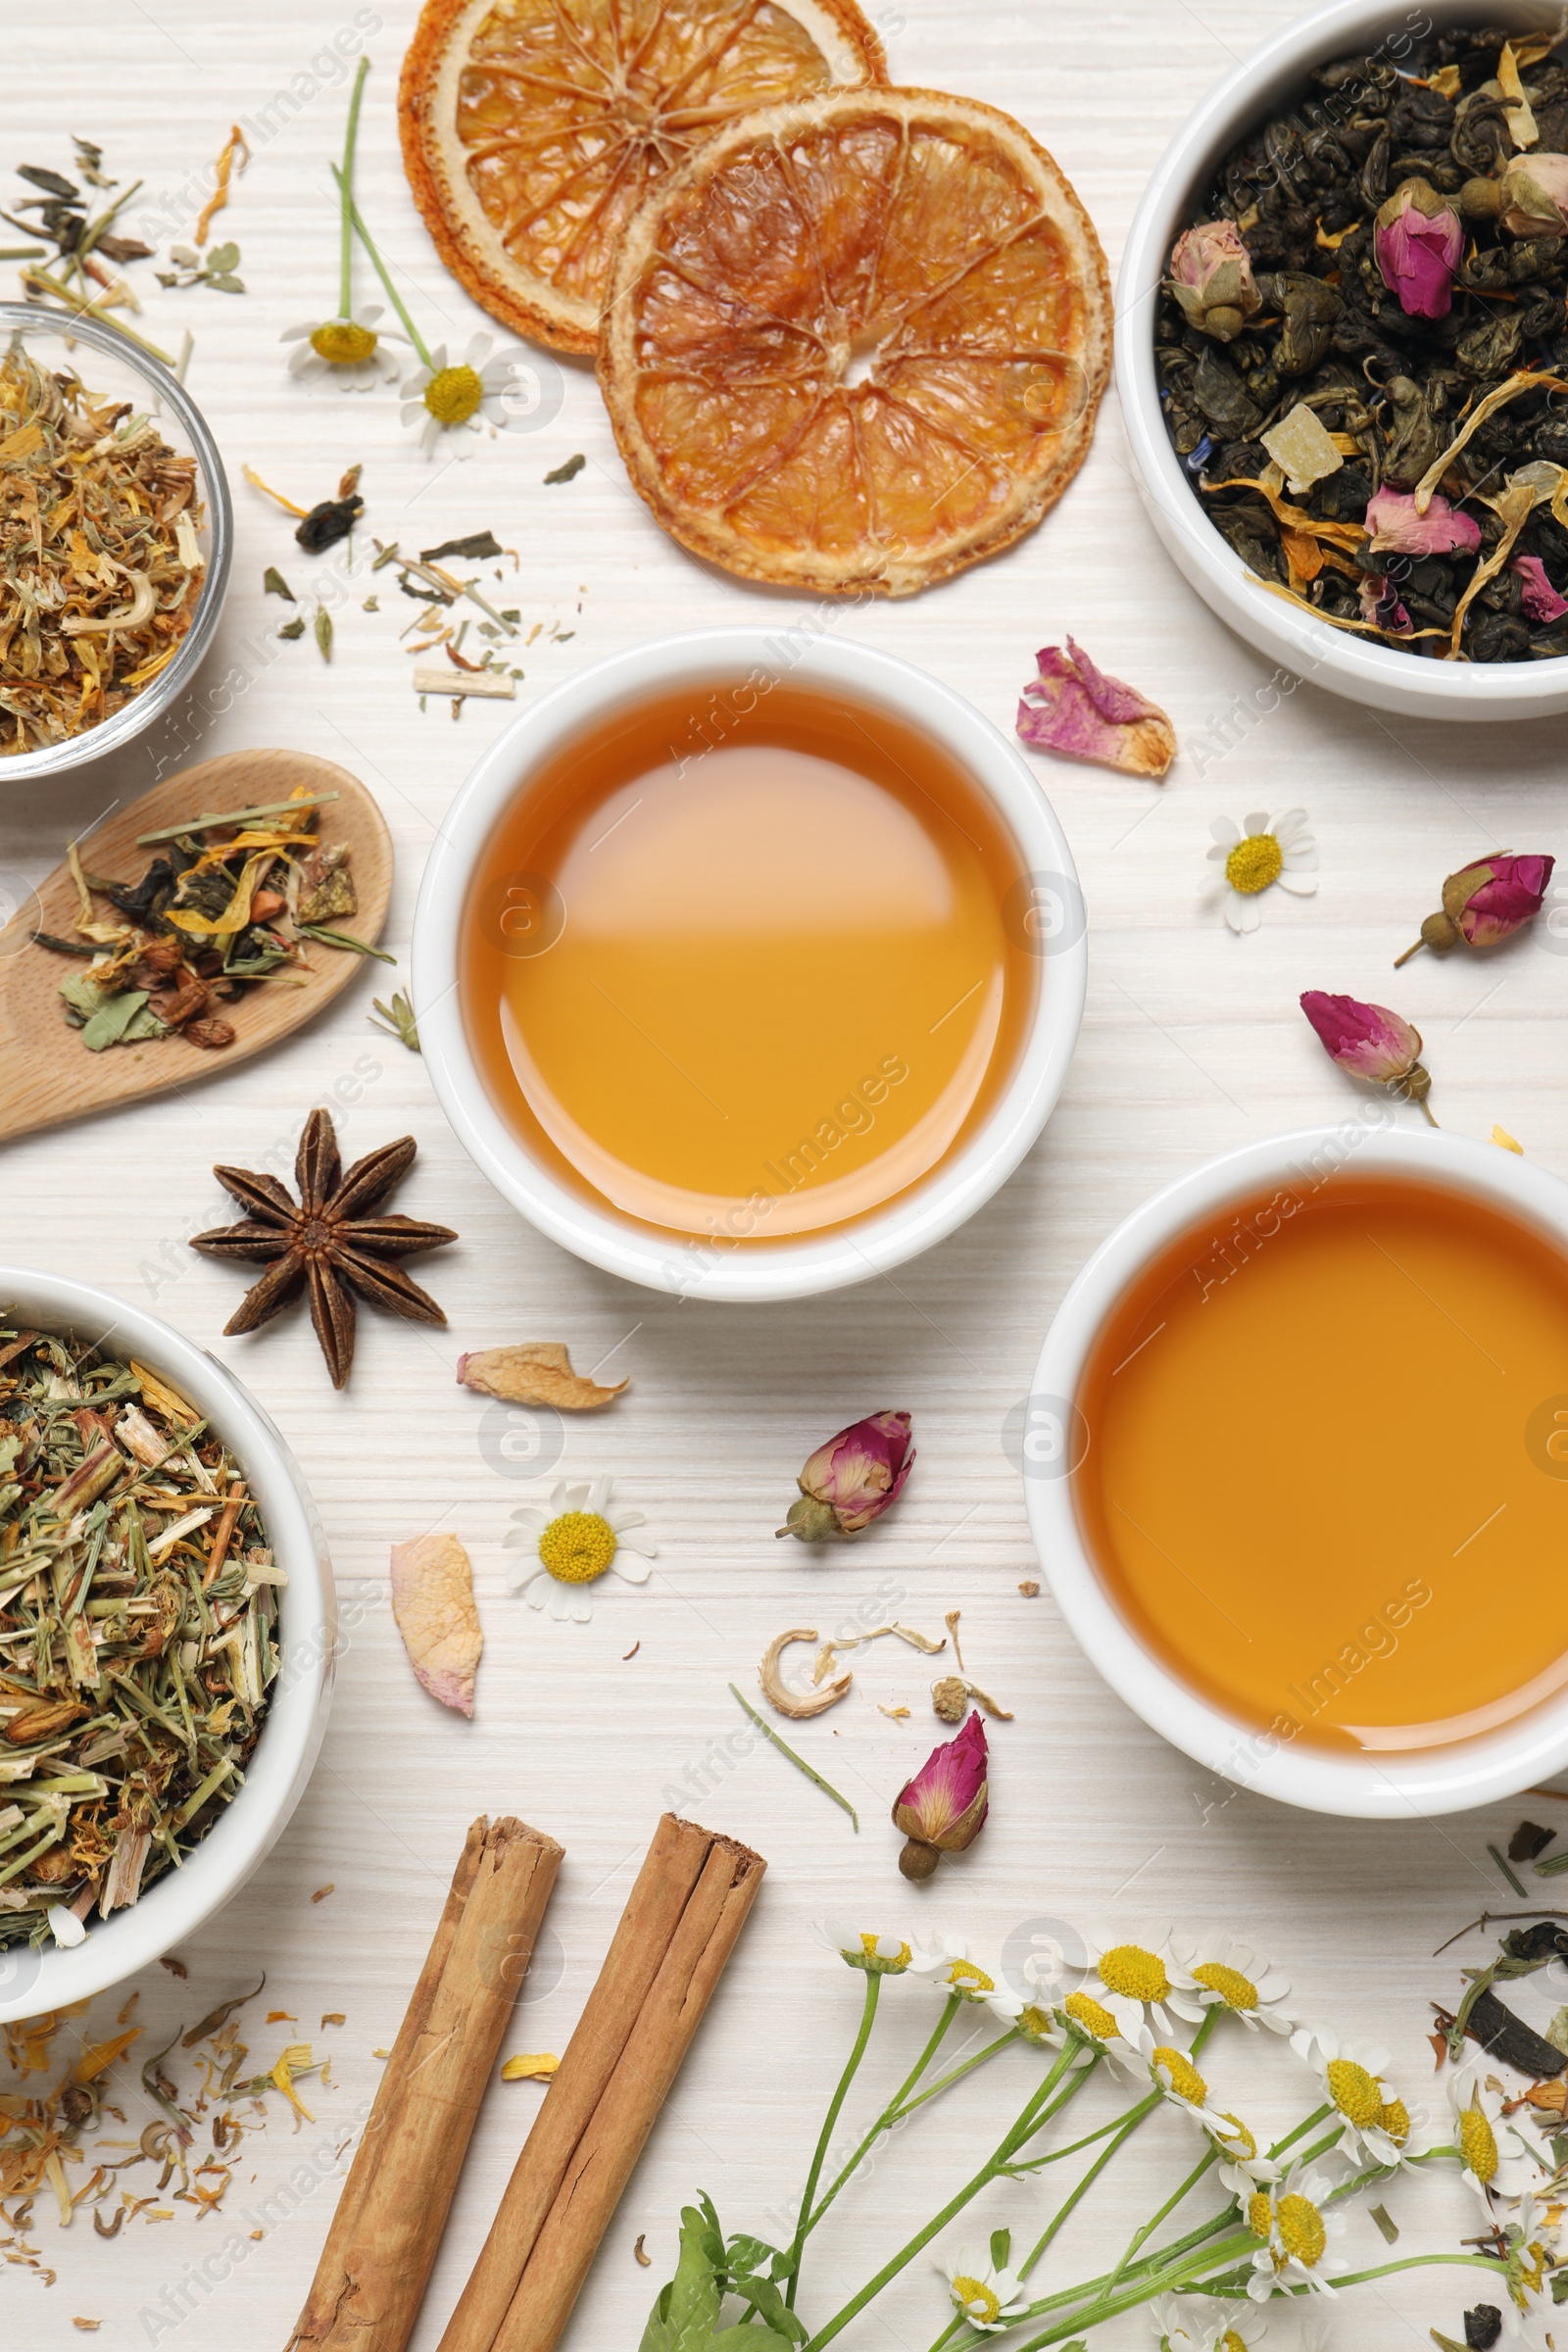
<point>382,272</point>
<point>1027,2122</point>
<point>890,2113</point>
<point>1303,2128</point>
<point>873,1991</point>
<point>1154,2267</point>
<point>1110,2306</point>
<point>956,2073</point>
<point>345,292</point>
<point>1140,2237</point>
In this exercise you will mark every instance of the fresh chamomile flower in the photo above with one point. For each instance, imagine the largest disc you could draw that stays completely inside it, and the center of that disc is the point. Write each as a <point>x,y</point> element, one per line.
<point>945,1961</point>
<point>1243,2167</point>
<point>1192,2323</point>
<point>1172,2072</point>
<point>1294,2221</point>
<point>1257,852</point>
<point>349,350</point>
<point>1032,2020</point>
<point>1376,2119</point>
<point>1143,1975</point>
<point>1109,2027</point>
<point>863,1948</point>
<point>1499,2158</point>
<point>568,1547</point>
<point>1224,1973</point>
<point>444,397</point>
<point>1531,2237</point>
<point>989,2296</point>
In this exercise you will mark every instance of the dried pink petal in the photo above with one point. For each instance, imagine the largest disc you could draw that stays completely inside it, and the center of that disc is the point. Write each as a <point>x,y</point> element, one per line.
<point>1539,597</point>
<point>1074,708</point>
<point>1398,528</point>
<point>433,1600</point>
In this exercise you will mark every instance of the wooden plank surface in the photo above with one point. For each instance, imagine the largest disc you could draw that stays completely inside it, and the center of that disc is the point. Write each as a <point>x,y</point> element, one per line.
<point>1192,1043</point>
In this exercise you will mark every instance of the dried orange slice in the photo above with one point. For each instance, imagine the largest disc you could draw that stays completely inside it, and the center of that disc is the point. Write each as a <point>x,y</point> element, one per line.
<point>858,342</point>
<point>533,129</point>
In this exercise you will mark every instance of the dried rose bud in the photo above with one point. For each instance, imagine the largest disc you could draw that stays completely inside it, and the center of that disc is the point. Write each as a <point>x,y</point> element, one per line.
<point>1211,277</point>
<point>852,1479</point>
<point>1419,245</point>
<point>1485,904</point>
<point>943,1810</point>
<point>1534,195</point>
<point>1370,1042</point>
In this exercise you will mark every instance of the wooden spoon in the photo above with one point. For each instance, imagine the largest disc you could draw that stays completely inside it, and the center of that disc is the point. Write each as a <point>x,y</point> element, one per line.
<point>47,1075</point>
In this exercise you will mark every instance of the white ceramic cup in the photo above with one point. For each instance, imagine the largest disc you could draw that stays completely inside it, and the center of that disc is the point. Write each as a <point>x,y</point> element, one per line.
<point>797,1268</point>
<point>1274,78</point>
<point>177,1903</point>
<point>1403,1785</point>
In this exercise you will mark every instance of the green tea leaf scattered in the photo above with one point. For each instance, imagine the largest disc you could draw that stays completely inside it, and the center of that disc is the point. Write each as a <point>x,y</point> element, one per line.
<point>397,1019</point>
<point>478,548</point>
<point>1389,2227</point>
<point>274,584</point>
<point>569,471</point>
<point>292,629</point>
<point>323,638</point>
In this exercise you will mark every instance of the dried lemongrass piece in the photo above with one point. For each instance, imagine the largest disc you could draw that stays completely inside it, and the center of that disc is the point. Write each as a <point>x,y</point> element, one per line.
<point>433,1600</point>
<point>537,1373</point>
<point>777,1691</point>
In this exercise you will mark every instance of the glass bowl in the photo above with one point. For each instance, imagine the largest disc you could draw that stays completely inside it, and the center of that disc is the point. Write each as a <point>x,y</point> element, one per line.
<point>108,363</point>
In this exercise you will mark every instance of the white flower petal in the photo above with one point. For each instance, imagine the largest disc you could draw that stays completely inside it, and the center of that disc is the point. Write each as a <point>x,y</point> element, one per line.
<point>1258,823</point>
<point>639,1544</point>
<point>475,353</point>
<point>1234,907</point>
<point>618,1520</point>
<point>536,1593</point>
<point>560,1598</point>
<point>1226,831</point>
<point>1286,828</point>
<point>1299,886</point>
<point>298,334</point>
<point>635,1570</point>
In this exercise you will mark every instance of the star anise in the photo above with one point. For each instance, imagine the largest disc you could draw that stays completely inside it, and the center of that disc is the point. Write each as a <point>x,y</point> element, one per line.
<point>327,1240</point>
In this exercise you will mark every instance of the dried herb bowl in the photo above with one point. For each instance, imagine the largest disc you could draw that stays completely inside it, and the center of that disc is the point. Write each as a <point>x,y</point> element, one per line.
<point>175,1905</point>
<point>110,365</point>
<point>1276,79</point>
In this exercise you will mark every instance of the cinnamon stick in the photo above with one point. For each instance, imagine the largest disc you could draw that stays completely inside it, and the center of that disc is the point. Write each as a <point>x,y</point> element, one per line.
<point>387,2228</point>
<point>678,1928</point>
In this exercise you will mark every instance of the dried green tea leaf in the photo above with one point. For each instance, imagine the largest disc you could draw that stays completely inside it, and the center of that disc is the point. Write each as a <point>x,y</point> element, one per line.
<point>537,1373</point>
<point>433,1600</point>
<point>478,548</point>
<point>569,471</point>
<point>223,256</point>
<point>1386,2222</point>
<point>274,584</point>
<point>397,1019</point>
<point>292,629</point>
<point>1529,1840</point>
<point>323,631</point>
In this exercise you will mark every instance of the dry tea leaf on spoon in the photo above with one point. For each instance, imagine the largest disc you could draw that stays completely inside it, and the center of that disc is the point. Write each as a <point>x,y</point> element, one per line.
<point>539,1373</point>
<point>433,1600</point>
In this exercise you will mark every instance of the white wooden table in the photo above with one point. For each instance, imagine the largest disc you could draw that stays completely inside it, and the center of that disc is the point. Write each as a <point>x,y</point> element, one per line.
<point>1192,1043</point>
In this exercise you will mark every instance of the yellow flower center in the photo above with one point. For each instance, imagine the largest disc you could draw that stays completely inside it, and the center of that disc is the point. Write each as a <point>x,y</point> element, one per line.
<point>578,1547</point>
<point>1478,2146</point>
<point>964,1977</point>
<point>1254,863</point>
<point>340,342</point>
<point>1237,2140</point>
<point>1355,2092</point>
<point>888,1968</point>
<point>1230,2341</point>
<point>976,2299</point>
<point>1396,2122</point>
<point>1094,2021</point>
<point>1235,1990</point>
<point>1034,2023</point>
<point>1128,1969</point>
<point>1301,2230</point>
<point>1260,2213</point>
<point>1182,2076</point>
<point>454,395</point>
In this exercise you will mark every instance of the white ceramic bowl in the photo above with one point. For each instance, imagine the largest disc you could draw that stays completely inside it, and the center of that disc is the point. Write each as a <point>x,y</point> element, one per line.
<point>1275,76</point>
<point>175,1905</point>
<point>1527,1751</point>
<point>786,1269</point>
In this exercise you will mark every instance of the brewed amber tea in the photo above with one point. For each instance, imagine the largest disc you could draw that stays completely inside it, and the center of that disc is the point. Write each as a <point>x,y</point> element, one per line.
<point>743,961</point>
<point>1327,1469</point>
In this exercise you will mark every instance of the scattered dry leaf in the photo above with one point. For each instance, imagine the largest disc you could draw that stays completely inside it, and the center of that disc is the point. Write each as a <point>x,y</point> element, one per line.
<point>952,1622</point>
<point>983,1700</point>
<point>630,1653</point>
<point>645,2259</point>
<point>322,1893</point>
<point>87,2326</point>
<point>539,1373</point>
<point>897,1714</point>
<point>433,1600</point>
<point>176,1968</point>
<point>777,1691</point>
<point>281,2017</point>
<point>1030,1588</point>
<point>333,2017</point>
<point>524,2068</point>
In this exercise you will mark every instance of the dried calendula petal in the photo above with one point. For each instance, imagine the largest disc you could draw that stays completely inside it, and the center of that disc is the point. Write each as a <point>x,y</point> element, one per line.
<point>537,1373</point>
<point>528,2065</point>
<point>778,1692</point>
<point>433,1600</point>
<point>1303,447</point>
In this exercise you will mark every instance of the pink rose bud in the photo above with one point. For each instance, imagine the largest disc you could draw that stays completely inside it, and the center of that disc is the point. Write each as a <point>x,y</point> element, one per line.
<point>1535,196</point>
<point>943,1810</point>
<point>1485,904</point>
<point>1419,245</point>
<point>1211,277</point>
<point>1370,1042</point>
<point>852,1479</point>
